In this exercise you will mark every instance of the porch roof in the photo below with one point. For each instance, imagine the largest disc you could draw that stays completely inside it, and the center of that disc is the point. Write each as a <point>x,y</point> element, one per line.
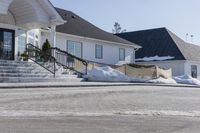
<point>31,13</point>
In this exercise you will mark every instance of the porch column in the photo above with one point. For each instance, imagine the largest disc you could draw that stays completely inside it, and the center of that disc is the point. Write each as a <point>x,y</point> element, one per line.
<point>133,57</point>
<point>53,37</point>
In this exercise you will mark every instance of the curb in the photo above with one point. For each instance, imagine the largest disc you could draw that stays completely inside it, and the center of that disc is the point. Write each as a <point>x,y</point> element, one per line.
<point>23,86</point>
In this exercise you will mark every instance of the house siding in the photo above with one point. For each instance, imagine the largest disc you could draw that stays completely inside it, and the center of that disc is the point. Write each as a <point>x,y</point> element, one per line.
<point>188,65</point>
<point>110,51</point>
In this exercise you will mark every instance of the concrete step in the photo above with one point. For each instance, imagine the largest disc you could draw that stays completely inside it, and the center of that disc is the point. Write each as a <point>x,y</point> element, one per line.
<point>24,71</point>
<point>30,80</point>
<point>24,75</point>
<point>27,72</point>
<point>21,68</point>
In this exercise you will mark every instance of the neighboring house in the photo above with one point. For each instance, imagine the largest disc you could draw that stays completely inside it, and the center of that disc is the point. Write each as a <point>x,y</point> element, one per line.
<point>163,48</point>
<point>84,40</point>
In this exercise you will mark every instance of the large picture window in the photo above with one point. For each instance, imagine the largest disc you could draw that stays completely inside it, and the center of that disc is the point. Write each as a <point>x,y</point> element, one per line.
<point>99,51</point>
<point>74,48</point>
<point>122,54</point>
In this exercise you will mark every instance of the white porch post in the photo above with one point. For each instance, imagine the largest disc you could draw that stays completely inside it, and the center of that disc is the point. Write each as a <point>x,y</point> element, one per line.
<point>53,37</point>
<point>133,56</point>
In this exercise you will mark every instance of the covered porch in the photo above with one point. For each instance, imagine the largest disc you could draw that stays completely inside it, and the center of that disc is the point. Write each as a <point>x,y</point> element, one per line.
<point>20,21</point>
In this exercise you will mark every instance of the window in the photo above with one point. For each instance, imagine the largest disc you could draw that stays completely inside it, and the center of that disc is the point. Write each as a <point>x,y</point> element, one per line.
<point>74,48</point>
<point>99,51</point>
<point>21,41</point>
<point>194,71</point>
<point>122,54</point>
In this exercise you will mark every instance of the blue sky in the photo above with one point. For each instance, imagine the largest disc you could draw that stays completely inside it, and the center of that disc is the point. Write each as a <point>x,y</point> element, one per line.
<point>179,16</point>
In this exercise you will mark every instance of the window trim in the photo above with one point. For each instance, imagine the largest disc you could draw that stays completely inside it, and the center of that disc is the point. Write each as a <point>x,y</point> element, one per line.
<point>96,51</point>
<point>123,55</point>
<point>74,49</point>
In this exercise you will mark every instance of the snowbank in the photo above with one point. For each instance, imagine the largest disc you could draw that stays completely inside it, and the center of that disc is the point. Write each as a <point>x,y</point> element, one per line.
<point>106,74</point>
<point>186,79</point>
<point>163,81</point>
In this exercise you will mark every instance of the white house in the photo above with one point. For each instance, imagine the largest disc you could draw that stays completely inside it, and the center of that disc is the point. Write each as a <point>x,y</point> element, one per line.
<point>17,17</point>
<point>34,21</point>
<point>84,40</point>
<point>163,48</point>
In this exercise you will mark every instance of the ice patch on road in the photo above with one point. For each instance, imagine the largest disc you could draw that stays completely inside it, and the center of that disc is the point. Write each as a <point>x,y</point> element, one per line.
<point>27,113</point>
<point>161,113</point>
<point>114,113</point>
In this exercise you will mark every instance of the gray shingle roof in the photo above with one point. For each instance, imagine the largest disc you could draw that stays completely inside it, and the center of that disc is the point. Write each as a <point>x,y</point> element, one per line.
<point>78,26</point>
<point>162,42</point>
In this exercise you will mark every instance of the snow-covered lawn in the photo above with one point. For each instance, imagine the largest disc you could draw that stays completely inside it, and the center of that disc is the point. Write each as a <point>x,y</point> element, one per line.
<point>107,74</point>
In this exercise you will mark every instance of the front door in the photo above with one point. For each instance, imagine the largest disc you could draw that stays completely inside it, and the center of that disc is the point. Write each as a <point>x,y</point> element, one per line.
<point>6,44</point>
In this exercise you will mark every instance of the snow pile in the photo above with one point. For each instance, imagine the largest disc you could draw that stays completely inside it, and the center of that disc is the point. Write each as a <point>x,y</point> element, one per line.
<point>186,79</point>
<point>163,81</point>
<point>106,74</point>
<point>155,58</point>
<point>161,113</point>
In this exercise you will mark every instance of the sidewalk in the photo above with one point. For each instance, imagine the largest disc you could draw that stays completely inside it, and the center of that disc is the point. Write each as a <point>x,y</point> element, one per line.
<point>82,84</point>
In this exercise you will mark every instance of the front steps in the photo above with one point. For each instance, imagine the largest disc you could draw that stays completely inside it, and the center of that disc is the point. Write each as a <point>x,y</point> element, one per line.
<point>27,72</point>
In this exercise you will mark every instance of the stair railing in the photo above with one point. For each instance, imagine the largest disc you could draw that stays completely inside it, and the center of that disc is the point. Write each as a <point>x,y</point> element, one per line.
<point>44,59</point>
<point>70,61</point>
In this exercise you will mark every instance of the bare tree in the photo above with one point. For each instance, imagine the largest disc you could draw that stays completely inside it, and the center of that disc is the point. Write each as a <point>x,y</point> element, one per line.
<point>117,28</point>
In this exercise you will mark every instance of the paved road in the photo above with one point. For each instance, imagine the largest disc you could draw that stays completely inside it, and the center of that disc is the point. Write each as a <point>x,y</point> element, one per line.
<point>100,110</point>
<point>103,124</point>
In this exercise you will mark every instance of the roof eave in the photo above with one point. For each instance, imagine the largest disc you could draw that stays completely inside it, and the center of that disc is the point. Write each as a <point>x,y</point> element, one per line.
<point>57,20</point>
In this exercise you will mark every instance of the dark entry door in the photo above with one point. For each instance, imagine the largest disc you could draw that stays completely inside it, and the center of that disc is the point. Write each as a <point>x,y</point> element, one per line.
<point>6,44</point>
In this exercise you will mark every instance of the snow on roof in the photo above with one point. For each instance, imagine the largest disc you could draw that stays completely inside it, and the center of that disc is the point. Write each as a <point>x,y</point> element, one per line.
<point>155,58</point>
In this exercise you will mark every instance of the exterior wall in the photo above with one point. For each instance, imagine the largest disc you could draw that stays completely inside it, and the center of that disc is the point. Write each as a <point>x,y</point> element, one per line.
<point>12,27</point>
<point>16,28</point>
<point>188,65</point>
<point>178,67</point>
<point>110,50</point>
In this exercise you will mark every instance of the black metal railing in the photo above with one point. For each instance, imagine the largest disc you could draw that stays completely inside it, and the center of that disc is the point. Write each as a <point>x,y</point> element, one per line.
<point>70,61</point>
<point>44,59</point>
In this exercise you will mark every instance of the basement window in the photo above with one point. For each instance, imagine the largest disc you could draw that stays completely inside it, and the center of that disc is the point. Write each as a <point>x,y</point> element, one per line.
<point>194,71</point>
